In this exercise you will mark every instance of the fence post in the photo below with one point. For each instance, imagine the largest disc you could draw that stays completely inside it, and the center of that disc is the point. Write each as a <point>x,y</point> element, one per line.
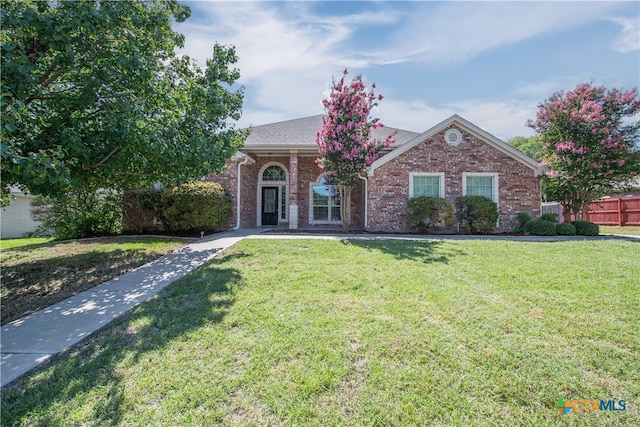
<point>619,211</point>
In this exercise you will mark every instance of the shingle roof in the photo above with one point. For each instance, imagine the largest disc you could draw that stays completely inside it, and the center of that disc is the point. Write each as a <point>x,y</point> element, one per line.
<point>301,133</point>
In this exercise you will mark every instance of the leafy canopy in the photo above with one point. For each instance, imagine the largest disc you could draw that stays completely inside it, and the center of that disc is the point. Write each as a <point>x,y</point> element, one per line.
<point>589,140</point>
<point>94,95</point>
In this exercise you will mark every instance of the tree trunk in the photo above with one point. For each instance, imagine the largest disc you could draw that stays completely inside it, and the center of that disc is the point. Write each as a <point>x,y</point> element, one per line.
<point>345,206</point>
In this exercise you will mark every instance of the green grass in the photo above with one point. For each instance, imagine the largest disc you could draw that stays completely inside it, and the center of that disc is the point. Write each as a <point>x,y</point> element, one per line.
<point>16,243</point>
<point>305,332</point>
<point>629,231</point>
<point>37,273</point>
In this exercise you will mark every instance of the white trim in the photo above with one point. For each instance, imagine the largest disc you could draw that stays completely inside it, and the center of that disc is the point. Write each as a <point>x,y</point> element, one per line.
<point>311,220</point>
<point>245,161</point>
<point>496,184</point>
<point>438,174</point>
<point>281,193</point>
<point>456,133</point>
<point>467,127</point>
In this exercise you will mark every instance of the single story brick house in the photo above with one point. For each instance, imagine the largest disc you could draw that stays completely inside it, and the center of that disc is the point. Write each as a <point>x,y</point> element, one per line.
<point>275,182</point>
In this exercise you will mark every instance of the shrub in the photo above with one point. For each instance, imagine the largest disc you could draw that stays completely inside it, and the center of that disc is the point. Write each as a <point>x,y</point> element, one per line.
<point>523,218</point>
<point>540,227</point>
<point>142,210</point>
<point>586,228</point>
<point>551,217</point>
<point>195,206</point>
<point>565,229</point>
<point>80,213</point>
<point>477,214</point>
<point>426,213</point>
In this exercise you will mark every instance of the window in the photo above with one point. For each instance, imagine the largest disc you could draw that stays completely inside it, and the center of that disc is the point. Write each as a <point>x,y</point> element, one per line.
<point>325,202</point>
<point>274,173</point>
<point>480,184</point>
<point>426,184</point>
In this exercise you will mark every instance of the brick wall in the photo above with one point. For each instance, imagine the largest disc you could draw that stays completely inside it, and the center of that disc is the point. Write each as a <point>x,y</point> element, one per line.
<point>519,190</point>
<point>308,173</point>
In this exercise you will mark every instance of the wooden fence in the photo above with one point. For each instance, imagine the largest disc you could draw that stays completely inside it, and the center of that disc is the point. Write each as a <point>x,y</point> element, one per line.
<point>619,211</point>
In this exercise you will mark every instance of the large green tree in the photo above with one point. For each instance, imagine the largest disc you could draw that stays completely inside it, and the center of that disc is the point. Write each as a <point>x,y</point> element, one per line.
<point>94,95</point>
<point>532,146</point>
<point>590,137</point>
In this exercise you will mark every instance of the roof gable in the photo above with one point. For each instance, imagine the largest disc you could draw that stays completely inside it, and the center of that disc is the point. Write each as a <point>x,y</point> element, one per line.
<point>469,127</point>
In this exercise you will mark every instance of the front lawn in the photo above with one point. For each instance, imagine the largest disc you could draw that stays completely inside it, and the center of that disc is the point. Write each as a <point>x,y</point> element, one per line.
<point>362,332</point>
<point>627,230</point>
<point>38,272</point>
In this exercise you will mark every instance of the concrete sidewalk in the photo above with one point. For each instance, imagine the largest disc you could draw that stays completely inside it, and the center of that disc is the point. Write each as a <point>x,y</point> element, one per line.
<point>26,343</point>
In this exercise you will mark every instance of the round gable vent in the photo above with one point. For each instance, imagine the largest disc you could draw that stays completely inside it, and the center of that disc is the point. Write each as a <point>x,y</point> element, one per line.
<point>453,136</point>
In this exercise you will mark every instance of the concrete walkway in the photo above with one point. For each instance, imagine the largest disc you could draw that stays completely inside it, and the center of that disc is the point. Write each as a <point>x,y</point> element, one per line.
<point>30,341</point>
<point>26,343</point>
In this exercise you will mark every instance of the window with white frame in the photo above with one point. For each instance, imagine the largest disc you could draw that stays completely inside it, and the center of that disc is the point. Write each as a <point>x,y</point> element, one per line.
<point>274,173</point>
<point>426,184</point>
<point>325,202</point>
<point>480,184</point>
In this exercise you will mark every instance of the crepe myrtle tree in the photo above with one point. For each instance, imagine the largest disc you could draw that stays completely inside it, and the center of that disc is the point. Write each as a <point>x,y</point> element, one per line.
<point>345,142</point>
<point>590,143</point>
<point>95,96</point>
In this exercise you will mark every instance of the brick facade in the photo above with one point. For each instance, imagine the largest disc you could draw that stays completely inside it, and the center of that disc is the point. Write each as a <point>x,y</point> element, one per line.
<point>518,188</point>
<point>388,185</point>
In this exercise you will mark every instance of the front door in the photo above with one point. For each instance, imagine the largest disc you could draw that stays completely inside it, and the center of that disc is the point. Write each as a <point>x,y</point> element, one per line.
<point>269,205</point>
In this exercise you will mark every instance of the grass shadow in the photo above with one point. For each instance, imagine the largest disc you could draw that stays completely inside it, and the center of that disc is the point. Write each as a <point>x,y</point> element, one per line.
<point>201,298</point>
<point>427,251</point>
<point>30,286</point>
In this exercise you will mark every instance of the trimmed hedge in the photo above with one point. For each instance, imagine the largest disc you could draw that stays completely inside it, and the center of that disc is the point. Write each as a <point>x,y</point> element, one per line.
<point>540,227</point>
<point>586,228</point>
<point>551,217</point>
<point>523,218</point>
<point>565,229</point>
<point>196,206</point>
<point>425,213</point>
<point>477,214</point>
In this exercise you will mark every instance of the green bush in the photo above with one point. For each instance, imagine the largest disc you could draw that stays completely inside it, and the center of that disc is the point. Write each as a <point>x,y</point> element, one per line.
<point>540,227</point>
<point>426,213</point>
<point>586,228</point>
<point>565,229</point>
<point>477,214</point>
<point>142,210</point>
<point>195,206</point>
<point>551,217</point>
<point>523,218</point>
<point>80,213</point>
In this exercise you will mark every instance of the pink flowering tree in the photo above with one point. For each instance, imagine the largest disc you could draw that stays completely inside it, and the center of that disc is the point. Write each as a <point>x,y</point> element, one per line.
<point>344,142</point>
<point>589,140</point>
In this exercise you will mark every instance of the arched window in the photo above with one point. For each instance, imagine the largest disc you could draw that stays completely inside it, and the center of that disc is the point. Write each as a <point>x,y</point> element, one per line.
<point>274,173</point>
<point>326,201</point>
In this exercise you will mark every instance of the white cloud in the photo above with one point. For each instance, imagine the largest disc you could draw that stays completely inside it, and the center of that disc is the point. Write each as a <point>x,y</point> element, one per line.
<point>503,118</point>
<point>629,38</point>
<point>457,31</point>
<point>288,52</point>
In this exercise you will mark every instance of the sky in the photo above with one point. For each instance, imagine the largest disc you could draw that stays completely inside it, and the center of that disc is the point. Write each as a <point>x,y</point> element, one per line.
<point>490,62</point>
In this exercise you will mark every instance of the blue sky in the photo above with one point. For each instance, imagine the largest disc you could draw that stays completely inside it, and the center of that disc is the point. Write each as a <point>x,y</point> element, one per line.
<point>490,62</point>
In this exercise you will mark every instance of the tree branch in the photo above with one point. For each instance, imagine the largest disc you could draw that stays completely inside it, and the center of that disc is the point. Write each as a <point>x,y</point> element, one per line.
<point>101,162</point>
